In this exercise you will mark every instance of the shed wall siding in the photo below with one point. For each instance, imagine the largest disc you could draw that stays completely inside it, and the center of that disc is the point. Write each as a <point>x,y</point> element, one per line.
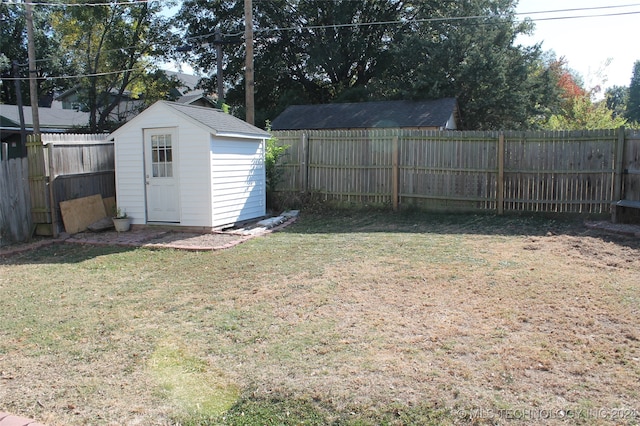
<point>195,182</point>
<point>191,154</point>
<point>238,180</point>
<point>130,183</point>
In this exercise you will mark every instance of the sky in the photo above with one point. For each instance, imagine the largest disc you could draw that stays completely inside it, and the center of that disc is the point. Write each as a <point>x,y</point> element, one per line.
<point>587,43</point>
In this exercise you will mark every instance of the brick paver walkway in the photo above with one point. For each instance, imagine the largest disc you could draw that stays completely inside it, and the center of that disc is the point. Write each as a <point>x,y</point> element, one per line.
<point>7,419</point>
<point>156,237</point>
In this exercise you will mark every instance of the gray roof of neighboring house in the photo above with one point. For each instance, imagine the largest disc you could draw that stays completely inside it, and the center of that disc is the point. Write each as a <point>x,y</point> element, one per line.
<point>189,81</point>
<point>51,119</point>
<point>188,85</point>
<point>190,99</point>
<point>382,114</point>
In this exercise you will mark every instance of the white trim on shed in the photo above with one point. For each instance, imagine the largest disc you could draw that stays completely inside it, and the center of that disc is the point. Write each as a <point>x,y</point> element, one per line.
<point>215,159</point>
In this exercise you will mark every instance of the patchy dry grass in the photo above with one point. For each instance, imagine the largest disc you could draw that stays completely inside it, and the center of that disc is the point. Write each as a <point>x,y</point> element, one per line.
<point>367,318</point>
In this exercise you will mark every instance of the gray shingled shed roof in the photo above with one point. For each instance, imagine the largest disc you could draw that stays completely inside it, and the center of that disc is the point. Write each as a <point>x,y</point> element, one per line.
<point>389,114</point>
<point>214,120</point>
<point>217,120</point>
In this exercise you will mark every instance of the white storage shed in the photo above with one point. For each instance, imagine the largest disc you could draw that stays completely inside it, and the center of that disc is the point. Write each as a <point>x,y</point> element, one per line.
<point>189,166</point>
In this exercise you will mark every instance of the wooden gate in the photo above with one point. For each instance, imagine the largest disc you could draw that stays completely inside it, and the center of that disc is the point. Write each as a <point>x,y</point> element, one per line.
<point>39,186</point>
<point>631,168</point>
<point>626,207</point>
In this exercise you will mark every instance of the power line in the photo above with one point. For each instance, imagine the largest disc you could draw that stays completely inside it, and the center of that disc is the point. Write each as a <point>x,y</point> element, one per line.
<point>356,24</point>
<point>603,15</point>
<point>580,9</point>
<point>64,77</point>
<point>120,3</point>
<point>441,19</point>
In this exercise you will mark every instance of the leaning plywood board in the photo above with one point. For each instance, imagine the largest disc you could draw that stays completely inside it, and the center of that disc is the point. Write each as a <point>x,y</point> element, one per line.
<point>110,205</point>
<point>78,214</point>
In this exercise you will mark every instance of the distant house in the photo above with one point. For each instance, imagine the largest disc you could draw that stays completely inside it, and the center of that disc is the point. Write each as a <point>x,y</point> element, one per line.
<point>440,114</point>
<point>51,121</point>
<point>130,105</point>
<point>197,99</point>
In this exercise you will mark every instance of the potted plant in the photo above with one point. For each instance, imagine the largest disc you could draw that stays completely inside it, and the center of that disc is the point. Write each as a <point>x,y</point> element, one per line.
<point>121,221</point>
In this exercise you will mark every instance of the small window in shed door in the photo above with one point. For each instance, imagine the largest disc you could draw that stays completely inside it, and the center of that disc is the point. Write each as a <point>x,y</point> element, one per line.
<point>161,155</point>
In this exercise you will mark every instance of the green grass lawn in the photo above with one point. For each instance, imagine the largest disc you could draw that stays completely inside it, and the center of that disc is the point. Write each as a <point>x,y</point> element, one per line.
<point>344,318</point>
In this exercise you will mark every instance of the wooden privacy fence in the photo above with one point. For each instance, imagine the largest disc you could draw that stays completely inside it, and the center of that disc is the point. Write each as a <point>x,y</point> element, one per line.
<point>15,206</point>
<point>629,179</point>
<point>564,171</point>
<point>67,166</point>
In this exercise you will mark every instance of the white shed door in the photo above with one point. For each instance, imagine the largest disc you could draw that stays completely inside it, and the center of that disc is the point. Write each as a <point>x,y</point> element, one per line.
<point>161,176</point>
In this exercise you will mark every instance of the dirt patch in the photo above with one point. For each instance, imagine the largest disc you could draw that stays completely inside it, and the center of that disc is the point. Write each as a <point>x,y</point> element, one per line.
<point>152,238</point>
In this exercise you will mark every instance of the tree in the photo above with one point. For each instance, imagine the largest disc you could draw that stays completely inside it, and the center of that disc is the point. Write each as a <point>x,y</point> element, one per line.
<point>466,49</point>
<point>616,99</point>
<point>305,50</point>
<point>113,44</point>
<point>312,51</point>
<point>633,102</point>
<point>13,41</point>
<point>582,113</point>
<point>578,110</point>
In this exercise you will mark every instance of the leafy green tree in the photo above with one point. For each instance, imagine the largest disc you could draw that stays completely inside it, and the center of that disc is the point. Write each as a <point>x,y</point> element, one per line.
<point>581,113</point>
<point>498,84</point>
<point>312,51</point>
<point>633,102</point>
<point>306,51</point>
<point>153,86</point>
<point>616,99</point>
<point>13,48</point>
<point>577,109</point>
<point>273,170</point>
<point>113,45</point>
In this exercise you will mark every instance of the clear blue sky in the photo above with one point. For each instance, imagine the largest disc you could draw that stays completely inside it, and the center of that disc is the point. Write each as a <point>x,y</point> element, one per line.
<point>588,42</point>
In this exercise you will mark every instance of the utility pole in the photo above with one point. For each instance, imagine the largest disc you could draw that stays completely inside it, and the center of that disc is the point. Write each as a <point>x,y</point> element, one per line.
<point>248,71</point>
<point>23,130</point>
<point>33,86</point>
<point>220,81</point>
<point>218,42</point>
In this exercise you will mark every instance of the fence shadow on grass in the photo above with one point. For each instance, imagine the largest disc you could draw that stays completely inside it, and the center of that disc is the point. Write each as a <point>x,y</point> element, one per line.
<point>411,221</point>
<point>61,253</point>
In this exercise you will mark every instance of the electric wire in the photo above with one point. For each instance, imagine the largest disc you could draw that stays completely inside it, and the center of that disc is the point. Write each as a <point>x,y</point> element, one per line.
<point>55,4</point>
<point>66,77</point>
<point>344,25</point>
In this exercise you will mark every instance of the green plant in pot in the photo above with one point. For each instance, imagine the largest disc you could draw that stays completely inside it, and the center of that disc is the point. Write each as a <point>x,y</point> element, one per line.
<point>121,221</point>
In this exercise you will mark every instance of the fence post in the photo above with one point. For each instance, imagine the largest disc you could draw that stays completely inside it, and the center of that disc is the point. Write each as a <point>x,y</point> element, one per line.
<point>52,195</point>
<point>40,209</point>
<point>304,164</point>
<point>617,181</point>
<point>500,183</point>
<point>395,184</point>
